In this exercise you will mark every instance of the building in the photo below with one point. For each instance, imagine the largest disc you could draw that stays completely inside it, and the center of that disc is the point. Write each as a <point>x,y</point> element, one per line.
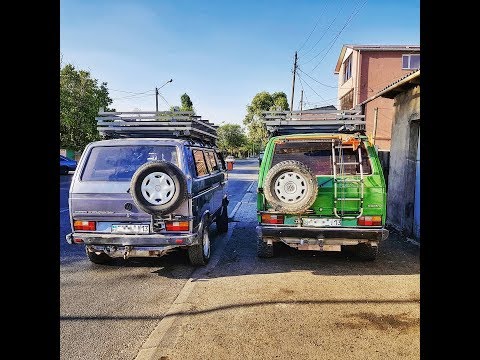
<point>366,69</point>
<point>403,196</point>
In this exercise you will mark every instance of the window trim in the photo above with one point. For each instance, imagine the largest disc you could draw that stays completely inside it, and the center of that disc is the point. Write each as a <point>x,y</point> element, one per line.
<point>409,61</point>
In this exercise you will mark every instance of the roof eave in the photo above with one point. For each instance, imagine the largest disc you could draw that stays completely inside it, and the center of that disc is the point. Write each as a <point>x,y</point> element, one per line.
<point>340,59</point>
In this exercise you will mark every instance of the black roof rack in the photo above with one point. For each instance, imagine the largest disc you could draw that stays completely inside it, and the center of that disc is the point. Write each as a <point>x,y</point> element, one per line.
<point>161,124</point>
<point>314,121</point>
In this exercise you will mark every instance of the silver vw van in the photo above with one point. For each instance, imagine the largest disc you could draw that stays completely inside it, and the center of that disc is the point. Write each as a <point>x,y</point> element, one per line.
<point>149,188</point>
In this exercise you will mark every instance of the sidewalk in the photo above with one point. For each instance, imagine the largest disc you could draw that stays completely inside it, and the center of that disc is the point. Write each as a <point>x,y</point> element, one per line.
<point>298,305</point>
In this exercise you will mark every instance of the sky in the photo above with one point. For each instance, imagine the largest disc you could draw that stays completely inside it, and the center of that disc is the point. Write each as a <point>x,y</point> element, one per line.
<point>221,53</point>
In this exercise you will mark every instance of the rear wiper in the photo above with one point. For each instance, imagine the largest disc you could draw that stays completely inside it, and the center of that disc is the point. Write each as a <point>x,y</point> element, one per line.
<point>325,182</point>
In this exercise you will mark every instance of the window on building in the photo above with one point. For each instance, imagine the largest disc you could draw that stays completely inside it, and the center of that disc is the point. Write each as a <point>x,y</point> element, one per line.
<point>347,68</point>
<point>200,165</point>
<point>411,62</point>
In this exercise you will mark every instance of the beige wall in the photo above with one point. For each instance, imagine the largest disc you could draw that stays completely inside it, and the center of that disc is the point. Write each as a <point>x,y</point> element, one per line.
<point>344,88</point>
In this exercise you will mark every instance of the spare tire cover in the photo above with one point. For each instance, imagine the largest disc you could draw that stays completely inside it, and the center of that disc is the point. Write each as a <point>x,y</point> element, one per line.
<point>158,187</point>
<point>290,187</point>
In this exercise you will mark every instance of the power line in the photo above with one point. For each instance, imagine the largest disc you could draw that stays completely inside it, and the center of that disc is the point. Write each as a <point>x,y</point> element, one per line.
<point>340,32</point>
<point>163,99</point>
<point>320,96</point>
<point>311,77</point>
<point>301,83</point>
<point>134,96</point>
<point>324,33</point>
<point>128,92</point>
<point>311,32</point>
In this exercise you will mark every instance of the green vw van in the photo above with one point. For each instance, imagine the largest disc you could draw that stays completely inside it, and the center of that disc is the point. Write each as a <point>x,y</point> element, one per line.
<point>321,191</point>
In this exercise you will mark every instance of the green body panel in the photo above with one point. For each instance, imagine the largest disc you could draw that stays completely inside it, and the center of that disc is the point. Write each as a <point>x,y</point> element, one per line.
<point>374,188</point>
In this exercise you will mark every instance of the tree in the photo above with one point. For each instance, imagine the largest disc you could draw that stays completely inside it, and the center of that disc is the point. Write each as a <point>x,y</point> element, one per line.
<point>263,101</point>
<point>231,138</point>
<point>80,99</point>
<point>187,104</point>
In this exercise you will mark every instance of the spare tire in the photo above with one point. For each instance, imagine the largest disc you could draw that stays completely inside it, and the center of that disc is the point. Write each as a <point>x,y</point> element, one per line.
<point>290,187</point>
<point>158,187</point>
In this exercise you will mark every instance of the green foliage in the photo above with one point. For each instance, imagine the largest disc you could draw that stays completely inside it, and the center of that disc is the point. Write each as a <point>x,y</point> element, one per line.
<point>80,99</point>
<point>263,101</point>
<point>187,104</point>
<point>231,138</point>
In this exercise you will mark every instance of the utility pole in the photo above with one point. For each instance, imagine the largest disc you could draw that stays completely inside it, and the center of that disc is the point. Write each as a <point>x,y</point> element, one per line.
<point>293,82</point>
<point>301,102</point>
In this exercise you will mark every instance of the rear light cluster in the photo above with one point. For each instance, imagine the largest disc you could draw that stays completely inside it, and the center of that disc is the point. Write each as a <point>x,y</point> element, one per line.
<point>84,225</point>
<point>272,219</point>
<point>176,225</point>
<point>369,221</point>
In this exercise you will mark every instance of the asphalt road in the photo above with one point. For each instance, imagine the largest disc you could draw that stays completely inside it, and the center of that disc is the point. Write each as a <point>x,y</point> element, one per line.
<point>107,312</point>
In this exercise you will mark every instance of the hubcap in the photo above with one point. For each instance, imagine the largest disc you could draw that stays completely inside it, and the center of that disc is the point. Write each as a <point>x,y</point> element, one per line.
<point>158,188</point>
<point>291,187</point>
<point>206,244</point>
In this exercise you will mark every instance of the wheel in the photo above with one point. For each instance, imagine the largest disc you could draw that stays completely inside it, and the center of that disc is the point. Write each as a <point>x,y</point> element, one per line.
<point>158,187</point>
<point>98,258</point>
<point>264,250</point>
<point>222,221</point>
<point>366,252</point>
<point>63,170</point>
<point>290,187</point>
<point>199,254</point>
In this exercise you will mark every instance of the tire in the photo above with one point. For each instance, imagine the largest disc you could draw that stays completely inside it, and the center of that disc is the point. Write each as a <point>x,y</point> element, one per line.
<point>296,176</point>
<point>264,250</point>
<point>196,253</point>
<point>175,179</point>
<point>100,259</point>
<point>366,252</point>
<point>222,220</point>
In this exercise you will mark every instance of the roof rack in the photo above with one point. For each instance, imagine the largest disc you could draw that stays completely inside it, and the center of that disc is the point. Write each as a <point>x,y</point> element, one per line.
<point>161,124</point>
<point>314,121</point>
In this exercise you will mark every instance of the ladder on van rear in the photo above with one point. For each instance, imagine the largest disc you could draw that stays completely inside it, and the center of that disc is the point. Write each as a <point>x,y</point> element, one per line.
<point>347,189</point>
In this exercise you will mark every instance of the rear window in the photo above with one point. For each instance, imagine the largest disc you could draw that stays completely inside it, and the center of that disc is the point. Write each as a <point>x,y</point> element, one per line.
<point>318,157</point>
<point>118,163</point>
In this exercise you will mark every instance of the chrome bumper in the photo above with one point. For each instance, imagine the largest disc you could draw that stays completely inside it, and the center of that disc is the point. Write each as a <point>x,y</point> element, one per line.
<point>132,240</point>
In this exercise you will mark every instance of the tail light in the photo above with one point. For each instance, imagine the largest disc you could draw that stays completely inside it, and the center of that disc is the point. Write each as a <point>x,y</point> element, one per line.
<point>369,221</point>
<point>84,225</point>
<point>176,225</point>
<point>272,219</point>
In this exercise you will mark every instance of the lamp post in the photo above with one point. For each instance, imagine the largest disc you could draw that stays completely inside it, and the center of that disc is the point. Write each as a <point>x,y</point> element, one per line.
<point>156,93</point>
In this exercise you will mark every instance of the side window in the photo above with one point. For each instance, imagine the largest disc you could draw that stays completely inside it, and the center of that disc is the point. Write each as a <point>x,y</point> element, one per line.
<point>200,166</point>
<point>211,161</point>
<point>220,161</point>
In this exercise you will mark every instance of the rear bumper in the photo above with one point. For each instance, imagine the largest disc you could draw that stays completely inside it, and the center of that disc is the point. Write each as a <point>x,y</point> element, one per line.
<point>149,240</point>
<point>293,235</point>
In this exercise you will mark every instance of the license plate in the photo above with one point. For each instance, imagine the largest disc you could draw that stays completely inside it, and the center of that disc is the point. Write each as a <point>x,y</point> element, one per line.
<point>321,222</point>
<point>131,229</point>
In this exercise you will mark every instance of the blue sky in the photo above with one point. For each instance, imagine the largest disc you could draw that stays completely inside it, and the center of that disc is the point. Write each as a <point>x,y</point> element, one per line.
<point>222,53</point>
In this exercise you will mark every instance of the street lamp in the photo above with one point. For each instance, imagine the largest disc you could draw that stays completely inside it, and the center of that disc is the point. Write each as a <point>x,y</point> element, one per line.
<point>156,93</point>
